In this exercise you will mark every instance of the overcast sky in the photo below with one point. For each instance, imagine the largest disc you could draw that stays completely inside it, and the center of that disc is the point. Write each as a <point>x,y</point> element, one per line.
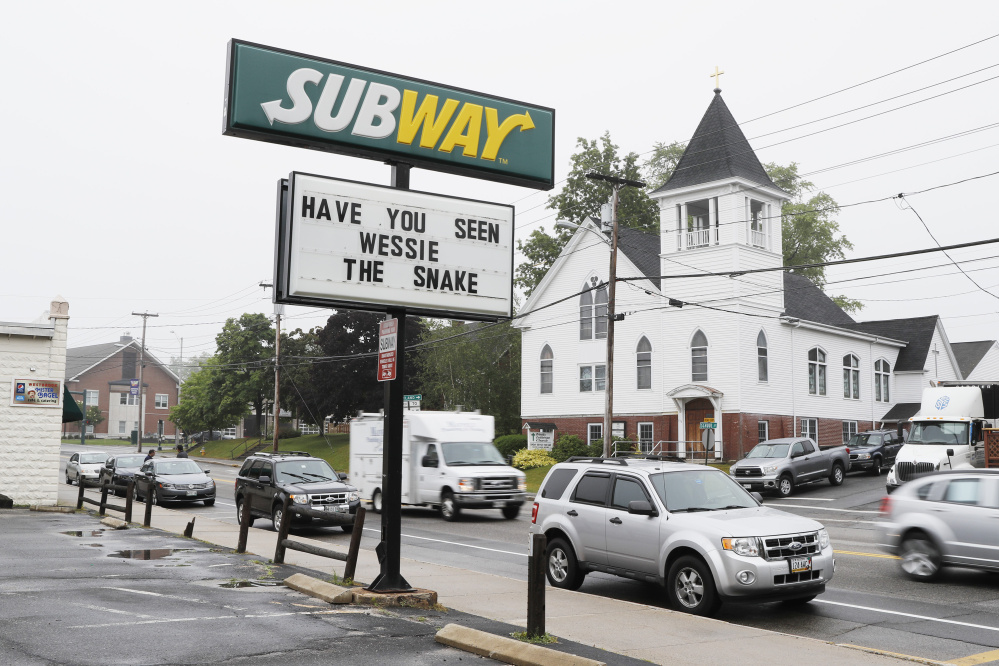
<point>120,193</point>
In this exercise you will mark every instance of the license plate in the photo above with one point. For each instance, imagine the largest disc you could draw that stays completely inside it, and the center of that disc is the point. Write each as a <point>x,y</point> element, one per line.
<point>336,508</point>
<point>499,505</point>
<point>192,493</point>
<point>747,486</point>
<point>799,564</point>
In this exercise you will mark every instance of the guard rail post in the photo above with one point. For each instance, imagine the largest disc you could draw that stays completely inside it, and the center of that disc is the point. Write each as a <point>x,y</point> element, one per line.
<point>244,528</point>
<point>536,586</point>
<point>129,497</point>
<point>79,497</point>
<point>149,507</point>
<point>282,531</point>
<point>355,544</point>
<point>104,500</point>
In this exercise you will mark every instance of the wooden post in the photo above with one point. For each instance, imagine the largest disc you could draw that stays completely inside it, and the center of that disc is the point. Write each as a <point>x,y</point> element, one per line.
<point>79,498</point>
<point>189,530</point>
<point>282,531</point>
<point>355,544</point>
<point>244,527</point>
<point>149,507</point>
<point>536,586</point>
<point>129,497</point>
<point>104,499</point>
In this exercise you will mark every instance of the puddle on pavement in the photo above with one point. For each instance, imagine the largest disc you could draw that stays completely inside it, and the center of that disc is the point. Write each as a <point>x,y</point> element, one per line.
<point>80,533</point>
<point>149,554</point>
<point>251,583</point>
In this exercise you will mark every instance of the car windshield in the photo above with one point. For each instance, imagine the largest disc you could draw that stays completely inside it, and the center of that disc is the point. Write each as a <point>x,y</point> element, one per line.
<point>769,451</point>
<point>176,467</point>
<point>938,433</point>
<point>858,441</point>
<point>92,458</point>
<point>471,453</point>
<point>309,471</point>
<point>129,461</point>
<point>700,490</point>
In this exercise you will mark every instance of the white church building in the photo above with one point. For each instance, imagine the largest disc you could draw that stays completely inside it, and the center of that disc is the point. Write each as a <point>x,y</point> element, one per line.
<point>763,355</point>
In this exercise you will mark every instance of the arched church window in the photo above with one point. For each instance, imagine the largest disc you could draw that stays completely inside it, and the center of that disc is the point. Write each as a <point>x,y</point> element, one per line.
<point>547,363</point>
<point>643,355</point>
<point>882,371</point>
<point>600,313</point>
<point>851,377</point>
<point>816,371</point>
<point>586,316</point>
<point>762,361</point>
<point>699,357</point>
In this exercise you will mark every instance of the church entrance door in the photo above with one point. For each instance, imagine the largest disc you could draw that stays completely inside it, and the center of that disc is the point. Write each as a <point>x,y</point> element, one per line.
<point>695,412</point>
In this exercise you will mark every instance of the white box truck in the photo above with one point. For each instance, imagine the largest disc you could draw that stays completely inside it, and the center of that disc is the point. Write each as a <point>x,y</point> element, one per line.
<point>448,462</point>
<point>947,432</point>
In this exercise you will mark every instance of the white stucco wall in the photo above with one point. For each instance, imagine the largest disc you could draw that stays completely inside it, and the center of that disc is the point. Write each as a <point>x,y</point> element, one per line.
<point>30,436</point>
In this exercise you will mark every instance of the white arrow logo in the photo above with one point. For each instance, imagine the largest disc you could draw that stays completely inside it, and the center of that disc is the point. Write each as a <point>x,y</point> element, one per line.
<point>301,107</point>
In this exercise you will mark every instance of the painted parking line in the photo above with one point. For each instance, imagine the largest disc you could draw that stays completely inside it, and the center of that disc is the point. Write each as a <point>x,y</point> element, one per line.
<point>807,499</point>
<point>857,552</point>
<point>454,543</point>
<point>219,617</point>
<point>980,658</point>
<point>823,508</point>
<point>927,618</point>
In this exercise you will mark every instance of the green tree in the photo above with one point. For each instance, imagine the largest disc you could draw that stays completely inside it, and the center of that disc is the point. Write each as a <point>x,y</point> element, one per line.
<point>94,416</point>
<point>203,404</point>
<point>661,164</point>
<point>246,353</point>
<point>581,198</point>
<point>479,370</point>
<point>809,228</point>
<point>297,350</point>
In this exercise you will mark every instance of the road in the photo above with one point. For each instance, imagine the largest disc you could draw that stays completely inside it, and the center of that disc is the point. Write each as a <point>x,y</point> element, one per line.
<point>868,603</point>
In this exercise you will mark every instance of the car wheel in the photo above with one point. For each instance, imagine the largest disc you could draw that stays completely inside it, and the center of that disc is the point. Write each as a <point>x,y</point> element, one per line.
<point>691,587</point>
<point>347,528</point>
<point>449,508</point>
<point>277,515</point>
<point>836,478</point>
<point>561,567</point>
<point>210,502</point>
<point>876,467</point>
<point>157,498</point>
<point>785,486</point>
<point>920,558</point>
<point>69,481</point>
<point>376,501</point>
<point>511,511</point>
<point>240,507</point>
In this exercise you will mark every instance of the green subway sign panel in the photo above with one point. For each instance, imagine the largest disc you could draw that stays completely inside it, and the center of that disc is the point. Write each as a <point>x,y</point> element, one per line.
<point>307,102</point>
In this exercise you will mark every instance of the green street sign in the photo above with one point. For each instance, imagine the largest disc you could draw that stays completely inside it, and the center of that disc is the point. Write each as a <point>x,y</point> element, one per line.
<point>418,396</point>
<point>707,426</point>
<point>308,102</point>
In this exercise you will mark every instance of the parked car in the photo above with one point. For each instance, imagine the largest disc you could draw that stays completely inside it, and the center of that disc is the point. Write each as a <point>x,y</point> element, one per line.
<point>945,518</point>
<point>265,479</point>
<point>688,527</point>
<point>120,469</point>
<point>873,450</point>
<point>85,467</point>
<point>174,480</point>
<point>779,465</point>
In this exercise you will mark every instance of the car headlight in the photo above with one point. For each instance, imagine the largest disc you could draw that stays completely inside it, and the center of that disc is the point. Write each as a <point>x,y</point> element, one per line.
<point>772,469</point>
<point>167,485</point>
<point>522,485</point>
<point>466,485</point>
<point>863,456</point>
<point>300,499</point>
<point>823,539</point>
<point>747,546</point>
<point>353,497</point>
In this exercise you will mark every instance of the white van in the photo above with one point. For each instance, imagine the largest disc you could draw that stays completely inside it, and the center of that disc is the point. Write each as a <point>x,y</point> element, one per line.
<point>448,462</point>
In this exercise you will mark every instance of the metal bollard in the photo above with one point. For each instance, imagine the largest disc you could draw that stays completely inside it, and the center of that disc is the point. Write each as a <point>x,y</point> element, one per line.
<point>536,586</point>
<point>282,531</point>
<point>355,544</point>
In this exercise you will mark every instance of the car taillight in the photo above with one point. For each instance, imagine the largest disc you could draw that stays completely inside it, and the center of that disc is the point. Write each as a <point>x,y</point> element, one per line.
<point>885,508</point>
<point>848,450</point>
<point>534,513</point>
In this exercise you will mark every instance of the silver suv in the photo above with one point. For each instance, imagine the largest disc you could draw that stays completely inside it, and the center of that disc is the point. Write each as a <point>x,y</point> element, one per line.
<point>688,527</point>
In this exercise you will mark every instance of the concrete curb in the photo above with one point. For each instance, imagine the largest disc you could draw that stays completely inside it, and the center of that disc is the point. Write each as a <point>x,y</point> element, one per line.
<point>425,599</point>
<point>897,655</point>
<point>114,523</point>
<point>51,508</point>
<point>507,650</point>
<point>328,592</point>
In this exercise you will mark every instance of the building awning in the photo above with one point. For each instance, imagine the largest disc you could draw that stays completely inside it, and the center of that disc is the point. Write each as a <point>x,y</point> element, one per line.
<point>902,411</point>
<point>538,425</point>
<point>70,409</point>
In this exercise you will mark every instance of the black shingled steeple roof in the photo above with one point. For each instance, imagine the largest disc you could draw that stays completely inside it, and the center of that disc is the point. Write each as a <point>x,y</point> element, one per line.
<point>717,151</point>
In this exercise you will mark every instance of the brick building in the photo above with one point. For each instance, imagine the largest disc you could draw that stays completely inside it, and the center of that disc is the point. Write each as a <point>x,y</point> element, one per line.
<point>105,372</point>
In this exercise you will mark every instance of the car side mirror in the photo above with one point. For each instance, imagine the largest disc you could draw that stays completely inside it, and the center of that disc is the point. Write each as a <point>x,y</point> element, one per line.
<point>264,479</point>
<point>342,476</point>
<point>429,462</point>
<point>641,508</point>
<point>207,472</point>
<point>950,453</point>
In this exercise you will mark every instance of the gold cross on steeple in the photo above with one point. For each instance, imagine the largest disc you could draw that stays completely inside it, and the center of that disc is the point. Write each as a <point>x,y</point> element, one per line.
<point>716,75</point>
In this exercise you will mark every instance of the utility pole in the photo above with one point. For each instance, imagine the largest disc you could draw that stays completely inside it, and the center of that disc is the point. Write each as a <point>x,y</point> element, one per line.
<point>278,311</point>
<point>142,352</point>
<point>617,183</point>
<point>176,430</point>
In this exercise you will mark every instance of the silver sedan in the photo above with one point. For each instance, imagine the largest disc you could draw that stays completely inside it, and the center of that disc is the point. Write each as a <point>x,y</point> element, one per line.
<point>85,467</point>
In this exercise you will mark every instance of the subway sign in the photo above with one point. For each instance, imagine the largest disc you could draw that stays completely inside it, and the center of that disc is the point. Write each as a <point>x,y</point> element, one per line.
<point>307,102</point>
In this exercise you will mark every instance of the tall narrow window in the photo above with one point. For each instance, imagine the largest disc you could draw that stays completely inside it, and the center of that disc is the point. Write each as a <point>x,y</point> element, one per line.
<point>586,316</point>
<point>761,357</point>
<point>762,431</point>
<point>699,357</point>
<point>547,360</point>
<point>816,371</point>
<point>882,371</point>
<point>851,377</point>
<point>600,313</point>
<point>643,354</point>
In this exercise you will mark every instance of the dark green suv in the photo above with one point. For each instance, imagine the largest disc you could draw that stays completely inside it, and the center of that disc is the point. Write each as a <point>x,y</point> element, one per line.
<point>319,496</point>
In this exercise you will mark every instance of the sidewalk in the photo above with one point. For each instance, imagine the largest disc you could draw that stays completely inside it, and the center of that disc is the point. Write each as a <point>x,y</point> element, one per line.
<point>642,632</point>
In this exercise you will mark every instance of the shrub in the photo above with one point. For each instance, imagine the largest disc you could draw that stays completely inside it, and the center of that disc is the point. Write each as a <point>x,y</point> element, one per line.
<point>508,445</point>
<point>531,458</point>
<point>571,445</point>
<point>286,433</point>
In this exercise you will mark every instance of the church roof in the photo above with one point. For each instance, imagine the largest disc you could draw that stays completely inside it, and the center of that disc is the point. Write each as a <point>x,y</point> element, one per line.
<point>804,300</point>
<point>917,331</point>
<point>642,248</point>
<point>970,354</point>
<point>717,151</point>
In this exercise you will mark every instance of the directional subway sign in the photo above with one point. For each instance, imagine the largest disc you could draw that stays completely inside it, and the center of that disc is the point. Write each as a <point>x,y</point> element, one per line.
<point>366,247</point>
<point>308,102</point>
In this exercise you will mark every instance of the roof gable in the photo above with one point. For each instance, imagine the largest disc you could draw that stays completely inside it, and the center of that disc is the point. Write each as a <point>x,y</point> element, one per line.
<point>970,354</point>
<point>82,359</point>
<point>717,151</point>
<point>804,300</point>
<point>916,331</point>
<point>642,248</point>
